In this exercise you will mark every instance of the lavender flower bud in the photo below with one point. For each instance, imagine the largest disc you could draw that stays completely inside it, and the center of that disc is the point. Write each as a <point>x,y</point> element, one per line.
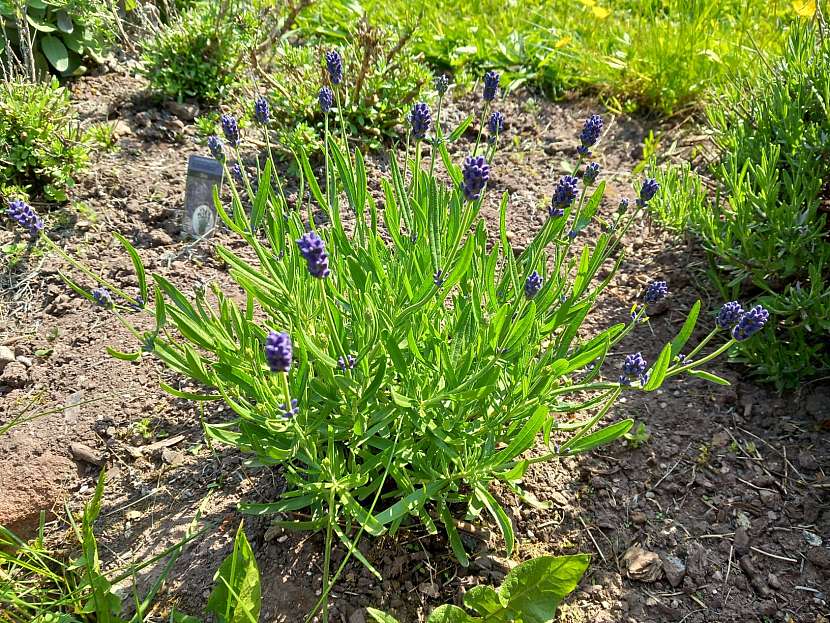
<point>572,234</point>
<point>622,208</point>
<point>313,250</point>
<point>590,134</point>
<point>647,191</point>
<point>750,323</point>
<point>563,195</point>
<point>261,112</point>
<point>438,278</point>
<point>442,83</point>
<point>326,99</point>
<point>334,64</point>
<point>591,173</point>
<point>217,148</point>
<point>289,413</point>
<point>23,214</point>
<point>655,291</point>
<point>634,365</point>
<point>496,123</point>
<point>230,128</point>
<point>729,315</point>
<point>236,172</point>
<point>533,284</point>
<point>420,118</point>
<point>102,298</point>
<point>348,362</point>
<point>476,174</point>
<point>491,85</point>
<point>278,351</point>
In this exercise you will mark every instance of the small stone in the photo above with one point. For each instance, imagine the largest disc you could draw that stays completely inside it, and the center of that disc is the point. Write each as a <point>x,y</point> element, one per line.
<point>82,452</point>
<point>172,457</point>
<point>807,461</point>
<point>83,225</point>
<point>183,110</point>
<point>674,568</point>
<point>6,356</point>
<point>774,582</point>
<point>26,361</point>
<point>132,515</point>
<point>642,564</point>
<point>741,540</point>
<point>14,375</point>
<point>638,518</point>
<point>121,128</point>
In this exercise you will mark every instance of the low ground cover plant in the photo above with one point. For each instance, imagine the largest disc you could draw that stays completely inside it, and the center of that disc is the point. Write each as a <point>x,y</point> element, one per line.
<point>766,229</point>
<point>42,148</point>
<point>64,35</point>
<point>397,368</point>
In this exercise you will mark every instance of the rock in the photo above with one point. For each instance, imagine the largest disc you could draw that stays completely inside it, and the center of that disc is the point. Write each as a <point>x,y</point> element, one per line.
<point>31,484</point>
<point>84,453</point>
<point>805,461</point>
<point>819,556</point>
<point>14,375</point>
<point>26,361</point>
<point>121,128</point>
<point>812,538</point>
<point>183,110</point>
<point>674,568</point>
<point>754,577</point>
<point>741,541</point>
<point>638,518</point>
<point>642,565</point>
<point>774,582</point>
<point>357,617</point>
<point>172,457</point>
<point>161,238</point>
<point>6,356</point>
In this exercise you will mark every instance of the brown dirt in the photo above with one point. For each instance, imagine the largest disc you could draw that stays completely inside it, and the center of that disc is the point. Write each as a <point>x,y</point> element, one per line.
<point>730,491</point>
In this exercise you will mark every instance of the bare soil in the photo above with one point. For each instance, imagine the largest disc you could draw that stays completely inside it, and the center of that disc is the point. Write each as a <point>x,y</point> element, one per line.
<point>723,509</point>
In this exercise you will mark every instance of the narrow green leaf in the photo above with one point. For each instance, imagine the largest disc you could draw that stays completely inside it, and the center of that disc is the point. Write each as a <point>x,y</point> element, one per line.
<point>138,265</point>
<point>658,370</point>
<point>495,509</point>
<point>686,330</point>
<point>714,378</point>
<point>601,437</point>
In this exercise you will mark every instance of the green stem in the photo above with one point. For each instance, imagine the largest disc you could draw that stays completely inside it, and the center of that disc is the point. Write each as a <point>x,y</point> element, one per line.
<point>699,362</point>
<point>703,343</point>
<point>343,125</point>
<point>484,112</point>
<point>327,561</point>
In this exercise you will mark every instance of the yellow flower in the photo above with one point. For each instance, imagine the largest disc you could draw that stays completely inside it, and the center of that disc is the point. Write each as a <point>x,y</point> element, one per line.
<point>805,8</point>
<point>600,13</point>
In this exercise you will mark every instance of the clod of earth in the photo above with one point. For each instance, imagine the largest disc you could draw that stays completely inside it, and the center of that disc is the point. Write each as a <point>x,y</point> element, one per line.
<point>642,565</point>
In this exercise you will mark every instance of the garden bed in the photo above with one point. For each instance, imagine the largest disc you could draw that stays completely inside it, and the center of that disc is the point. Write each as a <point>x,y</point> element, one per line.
<point>727,498</point>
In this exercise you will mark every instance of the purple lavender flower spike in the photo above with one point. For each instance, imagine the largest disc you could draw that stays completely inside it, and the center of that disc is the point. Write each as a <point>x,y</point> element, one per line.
<point>563,195</point>
<point>495,125</point>
<point>647,191</point>
<point>326,99</point>
<point>729,315</point>
<point>656,291</point>
<point>289,413</point>
<point>102,298</point>
<point>23,214</point>
<point>634,366</point>
<point>261,112</point>
<point>750,323</point>
<point>491,85</point>
<point>591,173</point>
<point>230,128</point>
<point>313,250</point>
<point>348,362</point>
<point>533,284</point>
<point>420,118</point>
<point>334,64</point>
<point>590,134</point>
<point>278,351</point>
<point>476,174</point>
<point>217,148</point>
<point>441,83</point>
<point>438,278</point>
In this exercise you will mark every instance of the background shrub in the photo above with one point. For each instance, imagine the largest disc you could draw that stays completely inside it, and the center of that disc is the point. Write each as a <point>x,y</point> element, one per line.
<point>41,146</point>
<point>768,231</point>
<point>198,55</point>
<point>66,34</point>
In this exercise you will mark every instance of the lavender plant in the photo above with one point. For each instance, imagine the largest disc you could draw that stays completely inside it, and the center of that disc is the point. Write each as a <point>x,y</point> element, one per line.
<point>396,369</point>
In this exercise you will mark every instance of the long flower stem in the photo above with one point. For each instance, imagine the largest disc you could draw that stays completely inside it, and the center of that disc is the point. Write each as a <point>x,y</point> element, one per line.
<point>327,561</point>
<point>699,362</point>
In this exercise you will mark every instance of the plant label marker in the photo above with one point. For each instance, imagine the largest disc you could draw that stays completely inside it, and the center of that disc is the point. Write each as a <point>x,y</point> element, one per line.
<point>203,175</point>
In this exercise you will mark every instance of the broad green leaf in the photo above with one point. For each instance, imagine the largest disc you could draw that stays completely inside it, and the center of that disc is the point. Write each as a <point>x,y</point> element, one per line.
<point>236,596</point>
<point>381,617</point>
<point>686,330</point>
<point>450,614</point>
<point>55,51</point>
<point>483,599</point>
<point>532,591</point>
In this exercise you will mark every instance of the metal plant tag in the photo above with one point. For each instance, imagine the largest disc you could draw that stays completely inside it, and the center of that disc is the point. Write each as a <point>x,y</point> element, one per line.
<point>203,175</point>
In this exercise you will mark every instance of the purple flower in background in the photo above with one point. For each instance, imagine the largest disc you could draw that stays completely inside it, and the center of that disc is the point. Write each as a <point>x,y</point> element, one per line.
<point>289,413</point>
<point>326,99</point>
<point>236,173</point>
<point>442,83</point>
<point>622,207</point>
<point>750,323</point>
<point>23,214</point>
<point>491,85</point>
<point>563,195</point>
<point>591,174</point>
<point>647,191</point>
<point>334,64</point>
<point>476,174</point>
<point>278,351</point>
<point>438,278</point>
<point>313,250</point>
<point>230,128</point>
<point>102,298</point>
<point>420,118</point>
<point>348,362</point>
<point>496,123</point>
<point>729,315</point>
<point>261,113</point>
<point>572,234</point>
<point>217,148</point>
<point>590,134</point>
<point>533,284</point>
<point>655,291</point>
